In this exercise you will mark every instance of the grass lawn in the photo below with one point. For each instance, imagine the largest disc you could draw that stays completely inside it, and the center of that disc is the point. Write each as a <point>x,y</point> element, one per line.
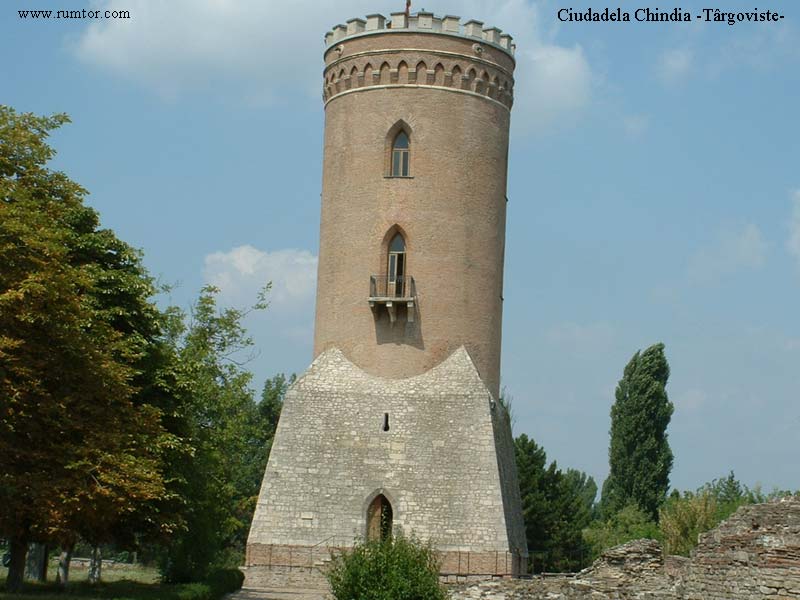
<point>119,582</point>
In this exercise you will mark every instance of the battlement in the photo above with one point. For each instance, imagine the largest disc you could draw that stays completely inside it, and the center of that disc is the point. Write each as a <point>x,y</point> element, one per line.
<point>422,22</point>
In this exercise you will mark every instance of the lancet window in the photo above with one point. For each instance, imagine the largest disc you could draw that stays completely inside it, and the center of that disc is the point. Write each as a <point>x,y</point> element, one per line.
<point>400,155</point>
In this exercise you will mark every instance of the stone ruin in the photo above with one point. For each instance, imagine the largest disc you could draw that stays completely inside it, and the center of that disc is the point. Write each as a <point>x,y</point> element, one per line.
<point>753,555</point>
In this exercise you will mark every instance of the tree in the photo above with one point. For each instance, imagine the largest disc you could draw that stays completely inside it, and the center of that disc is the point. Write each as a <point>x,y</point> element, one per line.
<point>639,455</point>
<point>77,450</point>
<point>218,419</point>
<point>258,445</point>
<point>269,409</point>
<point>556,507</point>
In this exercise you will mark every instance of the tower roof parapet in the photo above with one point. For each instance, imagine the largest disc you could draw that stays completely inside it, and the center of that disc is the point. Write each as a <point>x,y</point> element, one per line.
<point>422,22</point>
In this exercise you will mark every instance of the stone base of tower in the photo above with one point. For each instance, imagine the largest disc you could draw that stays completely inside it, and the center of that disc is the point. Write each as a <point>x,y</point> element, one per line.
<point>433,452</point>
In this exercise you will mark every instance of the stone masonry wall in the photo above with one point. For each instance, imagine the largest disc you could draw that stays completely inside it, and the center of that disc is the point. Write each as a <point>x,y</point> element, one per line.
<point>754,555</point>
<point>439,465</point>
<point>507,467</point>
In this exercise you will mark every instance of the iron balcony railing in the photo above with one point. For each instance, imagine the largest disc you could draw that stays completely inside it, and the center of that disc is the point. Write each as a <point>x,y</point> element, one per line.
<point>380,286</point>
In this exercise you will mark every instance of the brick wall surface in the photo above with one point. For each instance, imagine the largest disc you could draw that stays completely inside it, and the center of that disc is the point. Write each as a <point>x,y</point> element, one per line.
<point>451,210</point>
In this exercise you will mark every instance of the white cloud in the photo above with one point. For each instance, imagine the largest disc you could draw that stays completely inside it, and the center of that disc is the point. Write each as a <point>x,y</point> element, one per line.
<point>635,126</point>
<point>732,251</point>
<point>791,345</point>
<point>552,82</point>
<point>764,49</point>
<point>242,271</point>
<point>674,65</point>
<point>257,48</point>
<point>262,51</point>
<point>793,243</point>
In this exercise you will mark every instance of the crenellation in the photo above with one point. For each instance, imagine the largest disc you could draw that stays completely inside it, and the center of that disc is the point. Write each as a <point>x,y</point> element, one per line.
<point>356,26</point>
<point>424,21</point>
<point>473,29</point>
<point>451,24</point>
<point>492,35</point>
<point>375,22</point>
<point>339,32</point>
<point>399,21</point>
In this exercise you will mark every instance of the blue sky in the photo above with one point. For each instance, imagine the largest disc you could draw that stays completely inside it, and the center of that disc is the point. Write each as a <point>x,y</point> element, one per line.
<point>654,186</point>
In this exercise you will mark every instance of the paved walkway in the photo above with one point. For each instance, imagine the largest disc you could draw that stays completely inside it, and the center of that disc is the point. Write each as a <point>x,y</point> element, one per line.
<point>277,594</point>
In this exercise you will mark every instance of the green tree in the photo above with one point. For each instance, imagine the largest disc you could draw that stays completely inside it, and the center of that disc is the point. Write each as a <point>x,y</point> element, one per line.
<point>78,450</point>
<point>535,484</point>
<point>218,419</point>
<point>267,415</point>
<point>556,507</point>
<point>639,455</point>
<point>729,494</point>
<point>269,409</point>
<point>584,488</point>
<point>262,426</point>
<point>576,511</point>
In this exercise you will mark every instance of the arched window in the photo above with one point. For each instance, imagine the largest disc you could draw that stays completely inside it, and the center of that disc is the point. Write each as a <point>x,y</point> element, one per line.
<point>379,519</point>
<point>396,267</point>
<point>400,155</point>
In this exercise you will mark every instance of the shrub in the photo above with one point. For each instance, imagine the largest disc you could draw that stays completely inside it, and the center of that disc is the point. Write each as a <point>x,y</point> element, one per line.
<point>683,518</point>
<point>225,581</point>
<point>193,591</point>
<point>631,523</point>
<point>392,569</point>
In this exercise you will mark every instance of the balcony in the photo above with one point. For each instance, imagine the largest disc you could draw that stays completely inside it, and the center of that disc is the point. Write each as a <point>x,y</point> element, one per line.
<point>391,293</point>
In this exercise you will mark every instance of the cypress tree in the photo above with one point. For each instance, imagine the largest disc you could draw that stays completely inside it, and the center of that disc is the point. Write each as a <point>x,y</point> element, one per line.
<point>639,455</point>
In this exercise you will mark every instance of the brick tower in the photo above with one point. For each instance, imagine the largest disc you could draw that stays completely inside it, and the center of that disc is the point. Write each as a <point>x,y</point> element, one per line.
<point>396,426</point>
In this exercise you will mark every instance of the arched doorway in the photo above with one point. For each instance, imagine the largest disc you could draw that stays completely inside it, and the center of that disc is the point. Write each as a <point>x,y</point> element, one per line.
<point>396,267</point>
<point>379,518</point>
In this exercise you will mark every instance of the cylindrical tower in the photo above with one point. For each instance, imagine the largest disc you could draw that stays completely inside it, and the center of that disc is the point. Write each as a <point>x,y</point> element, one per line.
<point>414,193</point>
<point>394,428</point>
